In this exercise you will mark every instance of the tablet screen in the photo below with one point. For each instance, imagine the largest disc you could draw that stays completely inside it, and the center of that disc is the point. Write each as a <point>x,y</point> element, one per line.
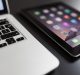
<point>62,20</point>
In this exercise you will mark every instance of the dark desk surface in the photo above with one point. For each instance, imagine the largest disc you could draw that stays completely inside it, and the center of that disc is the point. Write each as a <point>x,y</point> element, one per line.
<point>68,65</point>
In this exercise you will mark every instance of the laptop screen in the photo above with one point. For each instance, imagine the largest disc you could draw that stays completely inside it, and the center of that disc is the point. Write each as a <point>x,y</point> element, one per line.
<point>3,7</point>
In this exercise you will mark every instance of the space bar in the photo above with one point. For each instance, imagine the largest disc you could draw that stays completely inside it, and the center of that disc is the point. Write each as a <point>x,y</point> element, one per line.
<point>9,35</point>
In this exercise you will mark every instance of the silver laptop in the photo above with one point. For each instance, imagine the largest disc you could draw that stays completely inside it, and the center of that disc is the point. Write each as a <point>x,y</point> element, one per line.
<point>20,52</point>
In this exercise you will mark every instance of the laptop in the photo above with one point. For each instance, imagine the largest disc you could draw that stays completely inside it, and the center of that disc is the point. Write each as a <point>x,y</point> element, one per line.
<point>20,52</point>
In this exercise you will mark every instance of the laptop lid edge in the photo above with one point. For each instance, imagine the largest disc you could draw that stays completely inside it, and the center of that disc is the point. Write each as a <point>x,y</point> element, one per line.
<point>7,4</point>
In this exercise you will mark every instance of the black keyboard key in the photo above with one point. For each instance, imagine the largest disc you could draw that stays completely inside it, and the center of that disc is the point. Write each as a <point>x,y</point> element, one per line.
<point>0,33</point>
<point>3,45</point>
<point>2,27</point>
<point>20,39</point>
<point>5,31</point>
<point>10,40</point>
<point>12,28</point>
<point>9,35</point>
<point>2,22</point>
<point>7,25</point>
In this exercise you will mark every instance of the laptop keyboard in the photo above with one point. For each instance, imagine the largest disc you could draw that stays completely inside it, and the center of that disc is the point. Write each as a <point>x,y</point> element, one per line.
<point>9,34</point>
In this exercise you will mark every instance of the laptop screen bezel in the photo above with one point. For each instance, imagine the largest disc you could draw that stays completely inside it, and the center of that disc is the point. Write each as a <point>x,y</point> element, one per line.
<point>5,10</point>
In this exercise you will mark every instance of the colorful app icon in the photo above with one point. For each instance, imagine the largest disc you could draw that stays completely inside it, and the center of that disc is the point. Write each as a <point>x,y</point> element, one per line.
<point>79,18</point>
<point>50,22</point>
<point>66,17</point>
<point>67,11</point>
<point>61,7</point>
<point>74,15</point>
<point>60,13</point>
<point>75,40</point>
<point>52,15</point>
<point>37,13</point>
<point>74,21</point>
<point>64,32</point>
<point>56,27</point>
<point>73,29</point>
<point>58,19</point>
<point>43,17</point>
<point>66,24</point>
<point>45,11</point>
<point>54,9</point>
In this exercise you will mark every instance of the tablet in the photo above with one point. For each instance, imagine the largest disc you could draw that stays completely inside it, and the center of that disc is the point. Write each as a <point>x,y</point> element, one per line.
<point>60,22</point>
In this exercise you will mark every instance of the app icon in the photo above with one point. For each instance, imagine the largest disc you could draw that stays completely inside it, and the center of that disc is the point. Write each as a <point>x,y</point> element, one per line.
<point>45,11</point>
<point>73,14</point>
<point>60,13</point>
<point>73,29</point>
<point>37,13</point>
<point>74,21</point>
<point>64,32</point>
<point>56,27</point>
<point>58,19</point>
<point>42,17</point>
<point>49,22</point>
<point>67,11</point>
<point>66,17</point>
<point>75,40</point>
<point>51,15</point>
<point>61,7</point>
<point>54,9</point>
<point>79,18</point>
<point>66,24</point>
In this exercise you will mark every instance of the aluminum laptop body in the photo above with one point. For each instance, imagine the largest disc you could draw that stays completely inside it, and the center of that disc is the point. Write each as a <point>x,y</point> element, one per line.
<point>20,52</point>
